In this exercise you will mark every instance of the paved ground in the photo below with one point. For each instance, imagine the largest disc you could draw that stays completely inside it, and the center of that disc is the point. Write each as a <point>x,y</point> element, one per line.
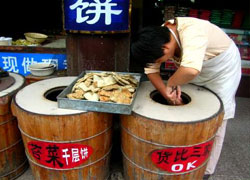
<point>234,163</point>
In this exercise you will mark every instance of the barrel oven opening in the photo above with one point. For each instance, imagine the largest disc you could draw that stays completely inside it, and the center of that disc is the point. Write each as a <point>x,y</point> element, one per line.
<point>51,94</point>
<point>157,97</point>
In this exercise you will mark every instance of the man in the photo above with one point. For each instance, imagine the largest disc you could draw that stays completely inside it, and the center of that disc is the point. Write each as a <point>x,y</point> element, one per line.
<point>204,55</point>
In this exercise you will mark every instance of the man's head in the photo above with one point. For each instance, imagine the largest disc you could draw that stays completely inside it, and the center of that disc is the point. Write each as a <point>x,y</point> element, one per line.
<point>149,44</point>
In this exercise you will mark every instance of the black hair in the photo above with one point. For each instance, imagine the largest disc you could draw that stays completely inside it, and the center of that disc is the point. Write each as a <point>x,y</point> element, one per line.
<point>147,47</point>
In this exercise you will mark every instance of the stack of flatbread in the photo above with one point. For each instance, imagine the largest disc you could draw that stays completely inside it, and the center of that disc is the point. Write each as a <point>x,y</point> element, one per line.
<point>105,87</point>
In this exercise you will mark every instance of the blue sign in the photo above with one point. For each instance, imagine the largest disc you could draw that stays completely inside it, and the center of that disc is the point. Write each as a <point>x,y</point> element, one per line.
<point>96,15</point>
<point>19,62</point>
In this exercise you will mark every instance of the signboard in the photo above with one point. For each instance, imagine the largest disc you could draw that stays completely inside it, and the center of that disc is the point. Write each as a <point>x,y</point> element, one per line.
<point>19,62</point>
<point>59,155</point>
<point>97,15</point>
<point>182,159</point>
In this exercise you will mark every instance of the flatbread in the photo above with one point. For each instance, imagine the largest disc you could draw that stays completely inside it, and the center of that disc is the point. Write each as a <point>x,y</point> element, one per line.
<point>91,96</point>
<point>105,87</point>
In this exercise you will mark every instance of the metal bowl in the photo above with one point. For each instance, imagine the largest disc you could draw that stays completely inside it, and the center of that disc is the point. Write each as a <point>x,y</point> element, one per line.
<point>36,38</point>
<point>42,69</point>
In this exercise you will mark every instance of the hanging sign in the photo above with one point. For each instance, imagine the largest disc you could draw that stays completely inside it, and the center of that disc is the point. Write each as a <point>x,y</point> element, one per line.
<point>182,159</point>
<point>100,16</point>
<point>19,62</point>
<point>59,155</point>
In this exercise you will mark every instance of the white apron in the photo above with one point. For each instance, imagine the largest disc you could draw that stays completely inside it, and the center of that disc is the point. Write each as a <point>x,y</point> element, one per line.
<point>222,75</point>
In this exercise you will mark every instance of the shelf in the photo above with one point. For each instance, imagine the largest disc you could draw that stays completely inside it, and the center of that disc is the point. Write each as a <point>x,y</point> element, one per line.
<point>245,44</point>
<point>55,45</point>
<point>236,31</point>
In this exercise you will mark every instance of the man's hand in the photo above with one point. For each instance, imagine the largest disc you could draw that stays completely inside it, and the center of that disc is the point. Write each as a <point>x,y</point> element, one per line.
<point>183,75</point>
<point>173,95</point>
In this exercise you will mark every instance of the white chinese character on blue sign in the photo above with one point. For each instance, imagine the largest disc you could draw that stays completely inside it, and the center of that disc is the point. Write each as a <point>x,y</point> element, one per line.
<point>26,62</point>
<point>99,8</point>
<point>51,61</point>
<point>10,63</point>
<point>19,62</point>
<point>101,15</point>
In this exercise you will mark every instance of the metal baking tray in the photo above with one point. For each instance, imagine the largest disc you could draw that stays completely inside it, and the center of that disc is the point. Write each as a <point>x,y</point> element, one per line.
<point>97,106</point>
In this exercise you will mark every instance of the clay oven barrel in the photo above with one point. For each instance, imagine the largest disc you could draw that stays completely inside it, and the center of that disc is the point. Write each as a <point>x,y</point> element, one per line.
<point>161,141</point>
<point>13,161</point>
<point>62,143</point>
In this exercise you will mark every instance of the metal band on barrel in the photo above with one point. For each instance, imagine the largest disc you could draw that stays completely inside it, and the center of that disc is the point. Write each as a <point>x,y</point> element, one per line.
<point>163,145</point>
<point>78,140</point>
<point>12,145</point>
<point>21,165</point>
<point>2,123</point>
<point>157,172</point>
<point>80,167</point>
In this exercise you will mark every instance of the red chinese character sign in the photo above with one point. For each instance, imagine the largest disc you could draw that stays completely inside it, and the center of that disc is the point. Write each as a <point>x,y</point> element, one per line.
<point>182,159</point>
<point>59,155</point>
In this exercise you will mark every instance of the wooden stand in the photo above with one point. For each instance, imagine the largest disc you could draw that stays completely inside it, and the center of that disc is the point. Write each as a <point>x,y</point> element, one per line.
<point>41,121</point>
<point>31,79</point>
<point>156,127</point>
<point>109,52</point>
<point>13,161</point>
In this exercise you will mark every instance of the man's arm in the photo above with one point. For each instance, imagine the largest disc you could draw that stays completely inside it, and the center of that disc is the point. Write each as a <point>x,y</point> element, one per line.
<point>183,75</point>
<point>158,83</point>
<point>169,93</point>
